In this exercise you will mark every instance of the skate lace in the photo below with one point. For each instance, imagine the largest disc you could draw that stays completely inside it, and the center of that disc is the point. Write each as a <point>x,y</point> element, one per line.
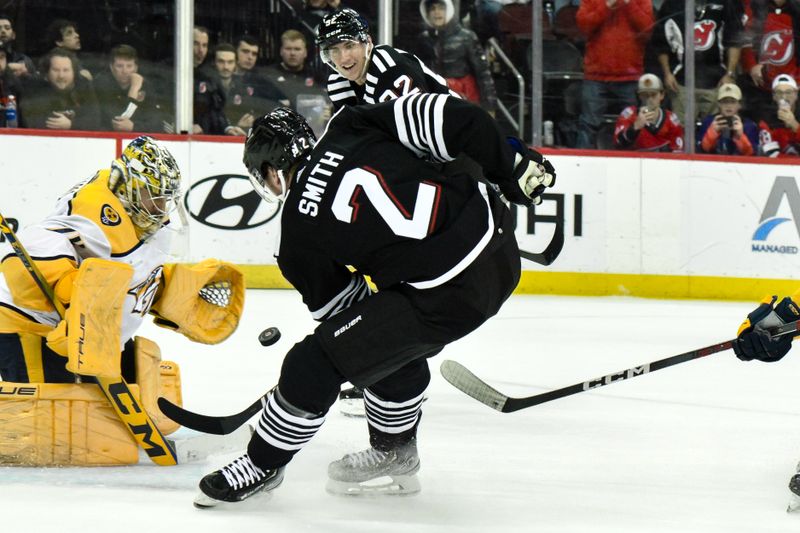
<point>366,458</point>
<point>242,472</point>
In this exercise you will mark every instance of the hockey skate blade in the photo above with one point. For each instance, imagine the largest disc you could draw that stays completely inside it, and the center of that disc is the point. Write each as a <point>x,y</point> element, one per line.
<point>352,407</point>
<point>381,486</point>
<point>254,502</point>
<point>794,503</point>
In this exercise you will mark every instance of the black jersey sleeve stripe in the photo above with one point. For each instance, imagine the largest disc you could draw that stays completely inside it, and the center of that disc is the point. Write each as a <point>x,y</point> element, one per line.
<point>355,291</point>
<point>419,123</point>
<point>404,134</point>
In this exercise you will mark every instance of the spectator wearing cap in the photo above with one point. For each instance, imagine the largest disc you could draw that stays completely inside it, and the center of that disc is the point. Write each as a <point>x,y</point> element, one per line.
<point>770,49</point>
<point>727,132</point>
<point>649,126</point>
<point>779,134</point>
<point>616,33</point>
<point>18,63</point>
<point>718,39</point>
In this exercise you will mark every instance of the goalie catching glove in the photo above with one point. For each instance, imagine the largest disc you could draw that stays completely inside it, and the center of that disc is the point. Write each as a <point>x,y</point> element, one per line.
<point>532,175</point>
<point>203,302</point>
<point>754,342</point>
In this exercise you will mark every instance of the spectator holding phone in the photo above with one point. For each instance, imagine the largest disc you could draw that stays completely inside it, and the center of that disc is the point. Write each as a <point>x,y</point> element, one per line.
<point>779,134</point>
<point>649,126</point>
<point>727,132</point>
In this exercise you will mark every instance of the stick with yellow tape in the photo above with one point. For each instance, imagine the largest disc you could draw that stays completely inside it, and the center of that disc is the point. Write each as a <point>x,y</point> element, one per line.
<point>89,344</point>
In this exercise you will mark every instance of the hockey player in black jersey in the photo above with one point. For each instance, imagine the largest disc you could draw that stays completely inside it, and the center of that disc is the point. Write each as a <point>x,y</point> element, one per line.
<point>368,74</point>
<point>442,253</point>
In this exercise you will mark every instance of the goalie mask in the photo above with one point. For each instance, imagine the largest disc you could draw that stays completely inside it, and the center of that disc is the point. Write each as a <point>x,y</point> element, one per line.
<point>345,26</point>
<point>278,140</point>
<point>146,179</point>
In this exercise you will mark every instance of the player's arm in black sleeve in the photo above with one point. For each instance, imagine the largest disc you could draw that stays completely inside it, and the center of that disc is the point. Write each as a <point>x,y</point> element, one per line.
<point>438,127</point>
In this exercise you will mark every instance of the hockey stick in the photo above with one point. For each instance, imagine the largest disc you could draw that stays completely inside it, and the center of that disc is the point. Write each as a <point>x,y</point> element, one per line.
<point>216,425</point>
<point>119,395</point>
<point>549,254</point>
<point>467,382</point>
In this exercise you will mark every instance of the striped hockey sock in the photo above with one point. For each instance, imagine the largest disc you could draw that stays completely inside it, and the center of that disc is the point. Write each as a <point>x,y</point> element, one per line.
<point>283,430</point>
<point>391,423</point>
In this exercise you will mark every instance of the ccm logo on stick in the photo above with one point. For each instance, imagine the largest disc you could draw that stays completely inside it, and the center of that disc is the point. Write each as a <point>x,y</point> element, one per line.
<point>619,376</point>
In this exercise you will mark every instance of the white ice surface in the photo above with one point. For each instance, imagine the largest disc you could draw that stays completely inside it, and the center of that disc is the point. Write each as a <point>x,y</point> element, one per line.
<point>705,446</point>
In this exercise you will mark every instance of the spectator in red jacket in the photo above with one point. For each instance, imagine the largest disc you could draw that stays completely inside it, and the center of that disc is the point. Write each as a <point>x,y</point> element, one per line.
<point>616,33</point>
<point>779,134</point>
<point>649,127</point>
<point>773,35</point>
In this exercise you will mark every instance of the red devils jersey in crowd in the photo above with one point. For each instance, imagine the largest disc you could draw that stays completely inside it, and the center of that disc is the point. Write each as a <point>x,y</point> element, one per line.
<point>775,33</point>
<point>717,26</point>
<point>778,140</point>
<point>665,135</point>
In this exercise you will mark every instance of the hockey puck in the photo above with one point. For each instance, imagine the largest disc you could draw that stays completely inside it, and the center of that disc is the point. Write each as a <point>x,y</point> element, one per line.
<point>269,336</point>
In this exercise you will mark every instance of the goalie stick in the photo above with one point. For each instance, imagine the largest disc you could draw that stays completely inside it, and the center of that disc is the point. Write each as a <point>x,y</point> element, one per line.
<point>467,382</point>
<point>122,400</point>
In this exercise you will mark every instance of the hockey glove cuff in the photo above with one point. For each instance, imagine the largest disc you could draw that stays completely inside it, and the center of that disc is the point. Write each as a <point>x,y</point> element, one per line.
<point>754,342</point>
<point>532,175</point>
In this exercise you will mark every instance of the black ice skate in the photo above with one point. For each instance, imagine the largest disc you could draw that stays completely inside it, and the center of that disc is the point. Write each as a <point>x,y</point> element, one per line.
<point>794,486</point>
<point>351,402</point>
<point>236,482</point>
<point>373,471</point>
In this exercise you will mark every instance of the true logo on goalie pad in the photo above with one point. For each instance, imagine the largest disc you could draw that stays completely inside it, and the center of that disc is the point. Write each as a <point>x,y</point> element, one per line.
<point>18,391</point>
<point>109,216</point>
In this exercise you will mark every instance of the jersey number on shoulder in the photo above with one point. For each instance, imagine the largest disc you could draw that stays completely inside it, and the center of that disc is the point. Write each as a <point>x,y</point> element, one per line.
<point>400,221</point>
<point>403,86</point>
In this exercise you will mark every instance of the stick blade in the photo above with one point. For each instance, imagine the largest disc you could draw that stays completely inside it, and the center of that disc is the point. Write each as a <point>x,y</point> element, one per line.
<point>551,252</point>
<point>215,425</point>
<point>468,383</point>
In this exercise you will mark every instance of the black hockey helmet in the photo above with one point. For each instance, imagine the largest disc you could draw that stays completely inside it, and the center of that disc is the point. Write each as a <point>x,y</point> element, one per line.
<point>344,25</point>
<point>278,139</point>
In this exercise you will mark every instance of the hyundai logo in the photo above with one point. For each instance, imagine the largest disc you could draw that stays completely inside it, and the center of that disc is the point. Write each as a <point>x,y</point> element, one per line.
<point>228,202</point>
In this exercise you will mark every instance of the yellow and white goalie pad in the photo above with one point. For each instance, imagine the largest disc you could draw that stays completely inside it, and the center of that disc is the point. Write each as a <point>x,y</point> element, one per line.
<point>46,424</point>
<point>203,302</point>
<point>93,323</point>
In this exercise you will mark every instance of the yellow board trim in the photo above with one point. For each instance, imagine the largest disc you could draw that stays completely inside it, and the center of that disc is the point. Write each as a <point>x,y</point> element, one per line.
<point>594,284</point>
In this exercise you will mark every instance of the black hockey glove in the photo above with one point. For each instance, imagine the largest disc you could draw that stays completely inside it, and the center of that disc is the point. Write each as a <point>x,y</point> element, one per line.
<point>532,174</point>
<point>753,341</point>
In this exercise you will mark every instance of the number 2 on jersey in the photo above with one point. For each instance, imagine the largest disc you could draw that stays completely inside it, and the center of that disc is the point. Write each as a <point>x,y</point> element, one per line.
<point>400,221</point>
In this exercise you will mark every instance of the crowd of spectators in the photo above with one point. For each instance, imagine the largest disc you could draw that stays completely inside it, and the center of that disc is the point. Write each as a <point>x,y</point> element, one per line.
<point>630,93</point>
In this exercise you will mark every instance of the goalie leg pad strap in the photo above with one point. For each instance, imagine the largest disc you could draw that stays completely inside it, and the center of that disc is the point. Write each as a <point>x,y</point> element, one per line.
<point>47,424</point>
<point>156,378</point>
